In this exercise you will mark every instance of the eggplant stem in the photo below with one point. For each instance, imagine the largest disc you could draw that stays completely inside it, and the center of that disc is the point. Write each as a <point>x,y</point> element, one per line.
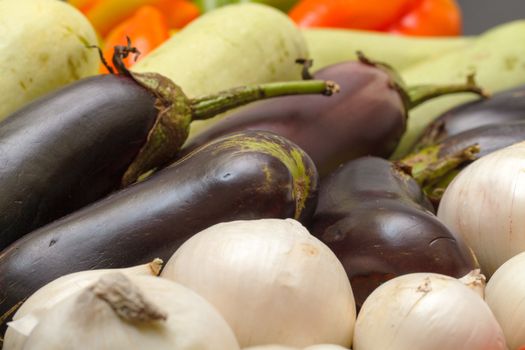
<point>210,106</point>
<point>428,167</point>
<point>307,64</point>
<point>102,59</point>
<point>120,52</point>
<point>419,94</point>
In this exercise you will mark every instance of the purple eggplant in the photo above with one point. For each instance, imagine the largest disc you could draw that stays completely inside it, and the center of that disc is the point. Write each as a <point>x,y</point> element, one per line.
<point>367,117</point>
<point>378,222</point>
<point>80,143</point>
<point>249,175</point>
<point>481,140</point>
<point>503,107</point>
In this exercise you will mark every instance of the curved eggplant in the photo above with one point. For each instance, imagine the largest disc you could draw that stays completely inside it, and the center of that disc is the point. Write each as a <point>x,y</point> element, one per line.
<point>61,153</point>
<point>503,107</point>
<point>367,117</point>
<point>248,175</point>
<point>380,225</point>
<point>80,143</point>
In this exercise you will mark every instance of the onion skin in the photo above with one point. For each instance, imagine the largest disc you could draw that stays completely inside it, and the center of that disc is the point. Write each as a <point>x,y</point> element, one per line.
<point>503,107</point>
<point>426,311</point>
<point>68,149</point>
<point>380,225</point>
<point>505,293</point>
<point>248,175</point>
<point>368,116</point>
<point>484,204</point>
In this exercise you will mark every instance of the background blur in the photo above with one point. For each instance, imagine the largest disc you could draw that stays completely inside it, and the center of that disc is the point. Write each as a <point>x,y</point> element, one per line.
<point>479,15</point>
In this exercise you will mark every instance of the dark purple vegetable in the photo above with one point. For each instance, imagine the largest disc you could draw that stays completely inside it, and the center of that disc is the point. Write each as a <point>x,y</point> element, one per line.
<point>248,175</point>
<point>380,225</point>
<point>506,106</point>
<point>367,117</point>
<point>485,139</point>
<point>76,145</point>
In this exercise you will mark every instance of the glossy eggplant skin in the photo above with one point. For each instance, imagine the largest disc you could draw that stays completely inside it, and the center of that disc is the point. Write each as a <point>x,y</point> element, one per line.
<point>367,117</point>
<point>69,149</point>
<point>503,107</point>
<point>249,175</point>
<point>380,225</point>
<point>489,138</point>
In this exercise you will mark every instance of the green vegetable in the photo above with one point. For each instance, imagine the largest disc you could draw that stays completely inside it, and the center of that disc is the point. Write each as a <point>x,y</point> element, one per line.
<point>208,5</point>
<point>497,58</point>
<point>329,46</point>
<point>43,45</point>
<point>236,45</point>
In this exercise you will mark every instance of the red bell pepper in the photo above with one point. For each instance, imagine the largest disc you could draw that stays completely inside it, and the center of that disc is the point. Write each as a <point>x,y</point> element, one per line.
<point>409,17</point>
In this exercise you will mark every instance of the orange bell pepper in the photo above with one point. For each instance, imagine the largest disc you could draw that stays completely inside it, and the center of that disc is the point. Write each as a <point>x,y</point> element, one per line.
<point>147,29</point>
<point>104,15</point>
<point>409,17</point>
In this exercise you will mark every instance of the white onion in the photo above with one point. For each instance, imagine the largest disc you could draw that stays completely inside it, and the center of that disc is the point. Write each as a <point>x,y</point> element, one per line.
<point>485,204</point>
<point>134,312</point>
<point>282,347</point>
<point>27,316</point>
<point>273,282</point>
<point>426,311</point>
<point>505,294</point>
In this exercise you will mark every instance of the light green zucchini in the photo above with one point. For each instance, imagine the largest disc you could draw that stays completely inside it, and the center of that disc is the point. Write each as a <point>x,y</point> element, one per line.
<point>497,58</point>
<point>43,47</point>
<point>234,45</point>
<point>329,46</point>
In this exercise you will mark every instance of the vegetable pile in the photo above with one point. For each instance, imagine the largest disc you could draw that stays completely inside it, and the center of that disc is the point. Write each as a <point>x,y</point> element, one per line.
<point>268,175</point>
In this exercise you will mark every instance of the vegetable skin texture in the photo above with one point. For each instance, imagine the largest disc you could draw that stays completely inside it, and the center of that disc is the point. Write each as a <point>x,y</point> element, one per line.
<point>484,204</point>
<point>248,175</point>
<point>405,17</point>
<point>32,62</point>
<point>235,45</point>
<point>330,46</point>
<point>60,153</point>
<point>497,58</point>
<point>504,107</point>
<point>380,225</point>
<point>367,116</point>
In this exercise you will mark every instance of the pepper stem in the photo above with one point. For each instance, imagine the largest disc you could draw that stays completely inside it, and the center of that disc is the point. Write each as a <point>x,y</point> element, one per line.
<point>421,93</point>
<point>209,106</point>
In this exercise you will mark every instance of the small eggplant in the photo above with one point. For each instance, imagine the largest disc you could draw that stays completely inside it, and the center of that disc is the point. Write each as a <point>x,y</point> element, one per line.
<point>376,219</point>
<point>76,145</point>
<point>481,140</point>
<point>250,175</point>
<point>503,107</point>
<point>367,117</point>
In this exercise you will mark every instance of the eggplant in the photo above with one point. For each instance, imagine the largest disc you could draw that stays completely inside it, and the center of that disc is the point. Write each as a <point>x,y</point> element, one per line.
<point>481,140</point>
<point>248,175</point>
<point>77,145</point>
<point>503,107</point>
<point>378,222</point>
<point>367,117</point>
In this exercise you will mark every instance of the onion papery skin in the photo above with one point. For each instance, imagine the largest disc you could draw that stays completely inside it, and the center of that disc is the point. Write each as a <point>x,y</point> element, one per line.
<point>426,311</point>
<point>505,295</point>
<point>485,204</point>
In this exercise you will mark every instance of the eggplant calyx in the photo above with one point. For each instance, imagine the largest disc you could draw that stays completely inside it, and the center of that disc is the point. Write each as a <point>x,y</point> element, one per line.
<point>169,131</point>
<point>429,166</point>
<point>396,81</point>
